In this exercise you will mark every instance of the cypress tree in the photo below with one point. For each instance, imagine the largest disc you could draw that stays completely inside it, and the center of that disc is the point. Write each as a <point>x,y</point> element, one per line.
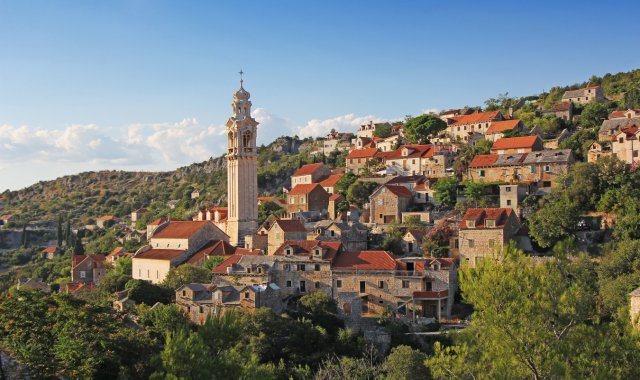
<point>60,232</point>
<point>25,237</point>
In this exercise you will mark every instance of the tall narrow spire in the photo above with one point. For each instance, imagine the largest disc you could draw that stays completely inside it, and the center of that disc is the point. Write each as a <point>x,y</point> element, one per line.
<point>241,72</point>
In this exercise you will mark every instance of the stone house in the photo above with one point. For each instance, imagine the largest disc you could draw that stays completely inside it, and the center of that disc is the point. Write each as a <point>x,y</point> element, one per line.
<point>597,150</point>
<point>610,128</point>
<point>357,159</point>
<point>461,127</point>
<point>523,144</point>
<point>388,202</point>
<point>497,129</point>
<point>625,114</point>
<point>153,226</point>
<point>584,95</point>
<point>329,184</point>
<point>199,301</point>
<point>171,245</point>
<point>137,214</point>
<point>483,232</point>
<point>388,144</point>
<point>352,234</point>
<point>304,266</point>
<point>626,144</point>
<point>563,110</point>
<point>310,173</point>
<point>412,242</point>
<point>334,202</point>
<point>307,197</point>
<point>336,141</point>
<point>241,269</point>
<point>429,160</point>
<point>282,230</point>
<point>117,254</point>
<point>539,169</point>
<point>511,196</point>
<point>87,269</point>
<point>376,282</point>
<point>216,248</point>
<point>50,252</point>
<point>368,130</point>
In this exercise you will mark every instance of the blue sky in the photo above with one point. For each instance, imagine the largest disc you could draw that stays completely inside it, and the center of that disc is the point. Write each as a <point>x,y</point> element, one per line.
<point>147,84</point>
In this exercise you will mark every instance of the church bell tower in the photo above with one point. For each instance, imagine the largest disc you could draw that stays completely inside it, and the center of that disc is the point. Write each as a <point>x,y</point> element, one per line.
<point>242,175</point>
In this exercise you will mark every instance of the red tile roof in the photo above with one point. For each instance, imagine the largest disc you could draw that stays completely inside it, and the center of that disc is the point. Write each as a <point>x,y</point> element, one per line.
<point>157,222</point>
<point>160,254</point>
<point>290,225</point>
<point>515,142</point>
<point>483,160</point>
<point>362,153</point>
<point>501,126</point>
<point>180,229</point>
<point>562,106</point>
<point>117,252</point>
<point>480,117</point>
<point>479,215</point>
<point>331,180</point>
<point>307,169</point>
<point>335,197</point>
<point>304,188</point>
<point>50,249</point>
<point>230,261</point>
<point>399,190</point>
<point>364,260</point>
<point>414,151</point>
<point>219,248</point>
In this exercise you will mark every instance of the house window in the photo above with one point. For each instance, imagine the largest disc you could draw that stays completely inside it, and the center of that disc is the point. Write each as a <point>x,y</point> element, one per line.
<point>317,267</point>
<point>508,202</point>
<point>317,285</point>
<point>546,184</point>
<point>148,276</point>
<point>157,275</point>
<point>456,243</point>
<point>547,168</point>
<point>481,173</point>
<point>490,223</point>
<point>292,200</point>
<point>184,293</point>
<point>303,286</point>
<point>248,270</point>
<point>301,267</point>
<point>381,284</point>
<point>338,283</point>
<point>507,189</point>
<point>302,200</point>
<point>333,233</point>
<point>532,169</point>
<point>83,274</point>
<point>471,243</point>
<point>405,284</point>
<point>246,294</point>
<point>471,223</point>
<point>288,283</point>
<point>363,286</point>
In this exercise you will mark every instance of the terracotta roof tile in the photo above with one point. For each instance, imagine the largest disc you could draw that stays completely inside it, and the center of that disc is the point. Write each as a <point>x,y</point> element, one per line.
<point>307,169</point>
<point>230,261</point>
<point>304,188</point>
<point>362,153</point>
<point>180,229</point>
<point>501,126</point>
<point>483,160</point>
<point>364,260</point>
<point>399,190</point>
<point>479,215</point>
<point>562,106</point>
<point>335,197</point>
<point>515,142</point>
<point>160,254</point>
<point>331,180</point>
<point>479,117</point>
<point>290,225</point>
<point>305,248</point>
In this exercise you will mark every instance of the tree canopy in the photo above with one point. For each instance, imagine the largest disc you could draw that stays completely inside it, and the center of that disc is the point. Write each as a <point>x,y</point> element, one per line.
<point>418,129</point>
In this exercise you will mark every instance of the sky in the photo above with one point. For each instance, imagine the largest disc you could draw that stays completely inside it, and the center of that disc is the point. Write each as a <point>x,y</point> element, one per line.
<point>147,84</point>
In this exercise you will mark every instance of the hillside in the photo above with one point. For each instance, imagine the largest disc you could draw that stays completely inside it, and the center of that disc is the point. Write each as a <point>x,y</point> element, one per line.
<point>85,196</point>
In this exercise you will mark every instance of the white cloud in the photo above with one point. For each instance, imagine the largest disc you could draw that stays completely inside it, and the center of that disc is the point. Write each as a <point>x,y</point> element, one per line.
<point>344,123</point>
<point>430,110</point>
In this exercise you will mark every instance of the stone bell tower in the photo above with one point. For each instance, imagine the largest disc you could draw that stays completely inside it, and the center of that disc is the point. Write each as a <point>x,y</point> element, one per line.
<point>242,175</point>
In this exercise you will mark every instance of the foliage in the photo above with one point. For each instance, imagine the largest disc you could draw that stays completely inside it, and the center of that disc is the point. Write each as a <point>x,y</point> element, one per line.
<point>418,129</point>
<point>593,114</point>
<point>266,209</point>
<point>393,240</point>
<point>555,221</point>
<point>359,192</point>
<point>213,262</point>
<point>145,292</point>
<point>383,130</point>
<point>618,275</point>
<point>162,318</point>
<point>474,191</point>
<point>343,184</point>
<point>446,190</point>
<point>186,274</point>
<point>534,320</point>
<point>322,310</point>
<point>483,146</point>
<point>405,363</point>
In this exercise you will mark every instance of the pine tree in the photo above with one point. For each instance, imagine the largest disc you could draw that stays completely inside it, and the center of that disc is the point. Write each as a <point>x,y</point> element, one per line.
<point>60,232</point>
<point>78,248</point>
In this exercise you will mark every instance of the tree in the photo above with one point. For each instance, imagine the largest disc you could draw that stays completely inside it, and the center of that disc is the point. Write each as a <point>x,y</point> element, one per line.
<point>186,274</point>
<point>145,292</point>
<point>555,221</point>
<point>593,114</point>
<point>483,146</point>
<point>359,192</point>
<point>534,320</point>
<point>405,363</point>
<point>473,191</point>
<point>78,247</point>
<point>418,129</point>
<point>25,237</point>
<point>343,184</point>
<point>446,190</point>
<point>185,356</point>
<point>162,318</point>
<point>213,262</point>
<point>59,231</point>
<point>266,209</point>
<point>383,131</point>
<point>619,274</point>
<point>322,310</point>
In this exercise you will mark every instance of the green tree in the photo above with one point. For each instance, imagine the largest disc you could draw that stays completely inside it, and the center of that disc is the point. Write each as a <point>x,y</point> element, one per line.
<point>322,310</point>
<point>383,131</point>
<point>483,146</point>
<point>162,318</point>
<point>418,129</point>
<point>359,192</point>
<point>145,292</point>
<point>405,363</point>
<point>185,357</point>
<point>619,274</point>
<point>59,231</point>
<point>186,274</point>
<point>473,191</point>
<point>446,190</point>
<point>555,221</point>
<point>266,209</point>
<point>593,114</point>
<point>343,184</point>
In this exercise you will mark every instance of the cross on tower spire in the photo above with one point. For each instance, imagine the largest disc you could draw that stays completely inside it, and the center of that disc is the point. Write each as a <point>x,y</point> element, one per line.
<point>240,72</point>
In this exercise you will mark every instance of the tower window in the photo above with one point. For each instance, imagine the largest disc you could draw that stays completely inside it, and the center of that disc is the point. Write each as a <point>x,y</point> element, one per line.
<point>246,139</point>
